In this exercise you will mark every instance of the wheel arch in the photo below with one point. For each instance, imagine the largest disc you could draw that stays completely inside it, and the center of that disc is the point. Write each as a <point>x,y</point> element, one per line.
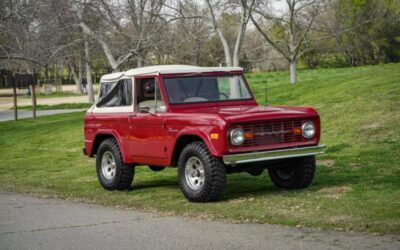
<point>186,138</point>
<point>100,137</point>
<point>181,142</point>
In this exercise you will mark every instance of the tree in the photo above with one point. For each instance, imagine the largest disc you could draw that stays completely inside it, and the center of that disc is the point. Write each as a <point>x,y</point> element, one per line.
<point>124,30</point>
<point>186,40</point>
<point>365,31</point>
<point>76,68</point>
<point>244,9</point>
<point>31,33</point>
<point>89,74</point>
<point>288,31</point>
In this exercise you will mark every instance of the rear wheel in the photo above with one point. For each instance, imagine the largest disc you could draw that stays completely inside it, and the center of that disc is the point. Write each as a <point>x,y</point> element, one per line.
<point>294,173</point>
<point>201,176</point>
<point>111,171</point>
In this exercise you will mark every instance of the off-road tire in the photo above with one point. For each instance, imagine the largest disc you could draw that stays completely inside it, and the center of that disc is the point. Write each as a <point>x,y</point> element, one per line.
<point>302,173</point>
<point>123,173</point>
<point>156,168</point>
<point>214,174</point>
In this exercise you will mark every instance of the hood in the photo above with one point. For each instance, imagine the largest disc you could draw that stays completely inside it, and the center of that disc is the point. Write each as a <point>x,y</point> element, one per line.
<point>252,113</point>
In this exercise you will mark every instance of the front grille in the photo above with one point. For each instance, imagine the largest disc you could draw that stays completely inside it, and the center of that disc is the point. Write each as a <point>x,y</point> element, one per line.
<point>273,132</point>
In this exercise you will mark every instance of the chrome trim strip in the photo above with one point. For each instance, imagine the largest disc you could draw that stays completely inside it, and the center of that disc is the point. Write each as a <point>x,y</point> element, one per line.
<point>273,155</point>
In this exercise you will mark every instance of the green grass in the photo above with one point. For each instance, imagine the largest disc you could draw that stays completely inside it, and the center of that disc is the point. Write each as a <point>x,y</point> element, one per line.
<point>357,184</point>
<point>58,106</point>
<point>53,95</point>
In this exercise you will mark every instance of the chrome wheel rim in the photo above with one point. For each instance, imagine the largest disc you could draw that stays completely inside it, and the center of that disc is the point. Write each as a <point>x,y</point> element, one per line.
<point>194,173</point>
<point>108,165</point>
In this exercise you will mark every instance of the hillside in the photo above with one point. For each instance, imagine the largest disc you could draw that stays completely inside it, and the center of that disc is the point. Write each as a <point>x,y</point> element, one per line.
<point>357,186</point>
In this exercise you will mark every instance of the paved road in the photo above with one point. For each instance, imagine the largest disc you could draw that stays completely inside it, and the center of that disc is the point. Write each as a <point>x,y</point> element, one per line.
<point>32,223</point>
<point>9,115</point>
<point>6,103</point>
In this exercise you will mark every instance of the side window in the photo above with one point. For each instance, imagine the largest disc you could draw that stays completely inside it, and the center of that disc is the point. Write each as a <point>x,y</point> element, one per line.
<point>115,94</point>
<point>148,97</point>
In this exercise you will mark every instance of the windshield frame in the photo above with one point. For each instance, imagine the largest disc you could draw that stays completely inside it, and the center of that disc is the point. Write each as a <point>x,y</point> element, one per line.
<point>209,74</point>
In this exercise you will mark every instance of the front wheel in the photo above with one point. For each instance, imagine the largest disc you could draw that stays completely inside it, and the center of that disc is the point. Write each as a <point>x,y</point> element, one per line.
<point>201,176</point>
<point>294,173</point>
<point>111,171</point>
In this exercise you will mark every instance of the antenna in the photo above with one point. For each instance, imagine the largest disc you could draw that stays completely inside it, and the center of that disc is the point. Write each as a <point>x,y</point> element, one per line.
<point>266,91</point>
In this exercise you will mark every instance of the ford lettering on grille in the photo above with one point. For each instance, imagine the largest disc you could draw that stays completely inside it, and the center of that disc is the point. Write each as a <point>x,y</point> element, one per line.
<point>280,132</point>
<point>272,132</point>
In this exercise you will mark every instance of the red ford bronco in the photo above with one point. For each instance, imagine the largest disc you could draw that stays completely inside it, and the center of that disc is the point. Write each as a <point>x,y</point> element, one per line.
<point>204,121</point>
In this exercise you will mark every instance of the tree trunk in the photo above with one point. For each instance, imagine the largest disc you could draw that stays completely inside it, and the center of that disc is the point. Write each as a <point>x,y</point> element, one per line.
<point>239,42</point>
<point>46,71</point>
<point>139,62</point>
<point>293,72</point>
<point>89,73</point>
<point>228,58</point>
<point>77,77</point>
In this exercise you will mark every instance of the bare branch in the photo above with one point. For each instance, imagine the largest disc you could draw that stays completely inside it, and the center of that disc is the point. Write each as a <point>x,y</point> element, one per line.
<point>268,39</point>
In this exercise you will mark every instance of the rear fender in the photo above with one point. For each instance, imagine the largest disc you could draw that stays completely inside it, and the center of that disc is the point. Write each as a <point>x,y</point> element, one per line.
<point>112,133</point>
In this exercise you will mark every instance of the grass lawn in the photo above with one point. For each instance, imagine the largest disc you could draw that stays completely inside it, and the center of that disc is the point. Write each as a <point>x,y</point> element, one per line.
<point>57,106</point>
<point>53,95</point>
<point>357,184</point>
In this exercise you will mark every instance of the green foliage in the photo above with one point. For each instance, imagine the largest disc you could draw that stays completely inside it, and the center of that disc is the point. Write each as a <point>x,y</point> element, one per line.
<point>357,185</point>
<point>373,26</point>
<point>361,32</point>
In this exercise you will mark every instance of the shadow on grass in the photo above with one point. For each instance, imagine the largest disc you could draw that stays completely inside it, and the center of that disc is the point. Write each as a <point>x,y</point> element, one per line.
<point>143,185</point>
<point>244,185</point>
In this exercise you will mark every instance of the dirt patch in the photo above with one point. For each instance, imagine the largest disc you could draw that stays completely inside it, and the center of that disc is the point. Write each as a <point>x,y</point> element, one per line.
<point>341,219</point>
<point>373,125</point>
<point>326,163</point>
<point>355,165</point>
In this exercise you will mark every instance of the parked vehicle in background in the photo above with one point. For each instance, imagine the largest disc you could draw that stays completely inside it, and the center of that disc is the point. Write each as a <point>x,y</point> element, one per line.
<point>204,121</point>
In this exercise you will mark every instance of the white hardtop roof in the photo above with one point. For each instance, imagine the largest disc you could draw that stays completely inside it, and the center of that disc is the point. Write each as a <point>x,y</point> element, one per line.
<point>166,69</point>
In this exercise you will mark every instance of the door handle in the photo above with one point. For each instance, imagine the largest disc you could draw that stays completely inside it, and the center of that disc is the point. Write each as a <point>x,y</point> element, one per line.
<point>131,116</point>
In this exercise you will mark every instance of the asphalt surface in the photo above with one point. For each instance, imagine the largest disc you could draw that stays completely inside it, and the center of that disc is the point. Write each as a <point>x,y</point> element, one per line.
<point>22,114</point>
<point>6,103</point>
<point>34,223</point>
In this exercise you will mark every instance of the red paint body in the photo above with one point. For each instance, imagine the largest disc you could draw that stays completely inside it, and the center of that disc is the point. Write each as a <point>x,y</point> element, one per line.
<point>151,139</point>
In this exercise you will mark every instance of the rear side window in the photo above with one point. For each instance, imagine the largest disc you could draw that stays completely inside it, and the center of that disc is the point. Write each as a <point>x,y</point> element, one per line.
<point>115,94</point>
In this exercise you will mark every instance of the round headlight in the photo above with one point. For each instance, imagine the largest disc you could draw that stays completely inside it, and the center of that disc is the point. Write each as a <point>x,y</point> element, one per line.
<point>237,136</point>
<point>308,129</point>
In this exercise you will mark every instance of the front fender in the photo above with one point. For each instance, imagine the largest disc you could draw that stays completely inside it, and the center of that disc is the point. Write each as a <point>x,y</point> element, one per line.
<point>215,146</point>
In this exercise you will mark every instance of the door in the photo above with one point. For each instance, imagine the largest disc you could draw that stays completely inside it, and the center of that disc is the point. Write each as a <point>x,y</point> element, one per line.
<point>147,129</point>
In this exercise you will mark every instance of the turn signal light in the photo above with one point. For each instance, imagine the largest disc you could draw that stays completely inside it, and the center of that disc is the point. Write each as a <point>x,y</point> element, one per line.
<point>249,135</point>
<point>296,131</point>
<point>214,136</point>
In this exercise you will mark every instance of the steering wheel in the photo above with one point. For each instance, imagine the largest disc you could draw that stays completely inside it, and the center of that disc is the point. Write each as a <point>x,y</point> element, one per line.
<point>223,94</point>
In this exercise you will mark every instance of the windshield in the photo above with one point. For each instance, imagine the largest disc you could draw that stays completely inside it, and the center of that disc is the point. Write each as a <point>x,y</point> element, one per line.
<point>206,89</point>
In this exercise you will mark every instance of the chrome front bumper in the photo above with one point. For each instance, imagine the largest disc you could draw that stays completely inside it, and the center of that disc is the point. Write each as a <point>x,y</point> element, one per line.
<point>272,155</point>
